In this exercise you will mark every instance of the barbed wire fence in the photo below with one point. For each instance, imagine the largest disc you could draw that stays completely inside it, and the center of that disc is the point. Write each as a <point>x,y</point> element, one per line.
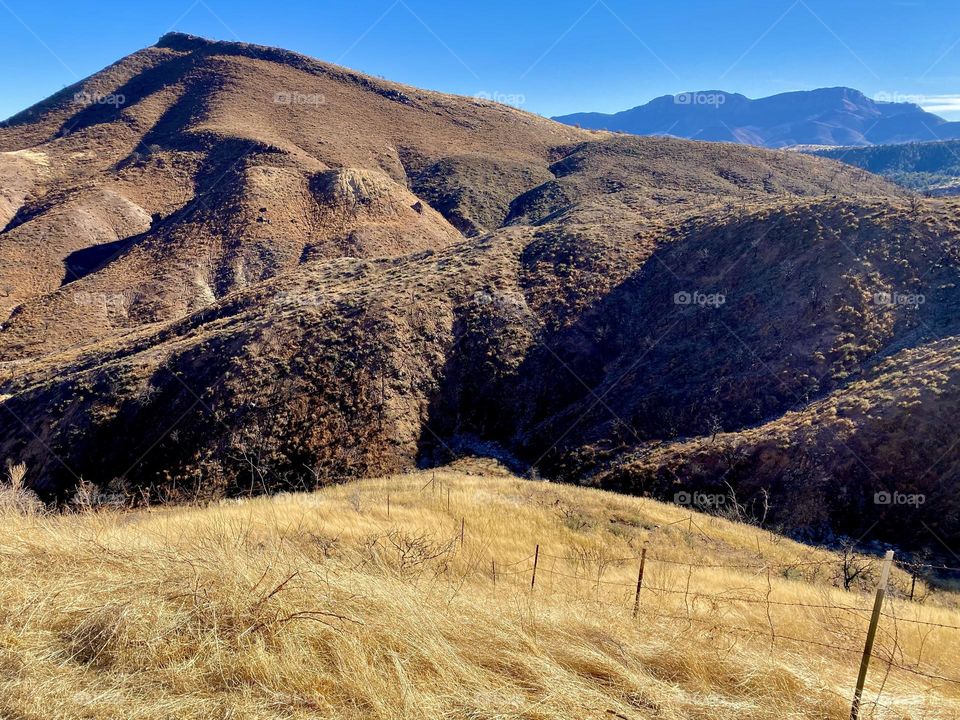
<point>888,652</point>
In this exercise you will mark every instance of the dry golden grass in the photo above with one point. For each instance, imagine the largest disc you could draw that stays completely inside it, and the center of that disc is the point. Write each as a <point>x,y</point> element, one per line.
<point>324,606</point>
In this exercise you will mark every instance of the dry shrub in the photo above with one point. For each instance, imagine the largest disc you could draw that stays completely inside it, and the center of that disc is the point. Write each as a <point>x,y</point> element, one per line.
<point>15,494</point>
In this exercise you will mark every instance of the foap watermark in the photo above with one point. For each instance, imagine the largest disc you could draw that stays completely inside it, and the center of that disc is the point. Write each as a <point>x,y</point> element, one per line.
<point>511,301</point>
<point>699,499</point>
<point>116,301</point>
<point>514,99</point>
<point>507,305</point>
<point>83,697</point>
<point>703,99</point>
<point>88,98</point>
<point>885,96</point>
<point>899,299</point>
<point>301,299</point>
<point>898,498</point>
<point>290,97</point>
<point>699,298</point>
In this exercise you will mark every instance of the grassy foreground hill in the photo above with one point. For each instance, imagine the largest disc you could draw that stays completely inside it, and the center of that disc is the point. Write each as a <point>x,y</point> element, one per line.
<point>410,597</point>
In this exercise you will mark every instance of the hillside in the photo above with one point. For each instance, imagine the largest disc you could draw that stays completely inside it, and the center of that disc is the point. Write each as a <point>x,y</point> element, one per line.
<point>260,271</point>
<point>827,116</point>
<point>929,167</point>
<point>214,142</point>
<point>410,596</point>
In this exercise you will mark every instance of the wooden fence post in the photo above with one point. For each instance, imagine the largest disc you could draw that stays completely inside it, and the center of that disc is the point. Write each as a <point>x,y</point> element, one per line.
<point>493,571</point>
<point>462,523</point>
<point>536,558</point>
<point>636,599</point>
<point>871,635</point>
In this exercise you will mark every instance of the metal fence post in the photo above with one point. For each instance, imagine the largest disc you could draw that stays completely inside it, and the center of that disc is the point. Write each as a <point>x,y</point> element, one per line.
<point>871,635</point>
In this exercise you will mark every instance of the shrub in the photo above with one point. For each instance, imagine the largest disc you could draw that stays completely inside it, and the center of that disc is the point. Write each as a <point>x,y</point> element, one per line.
<point>15,494</point>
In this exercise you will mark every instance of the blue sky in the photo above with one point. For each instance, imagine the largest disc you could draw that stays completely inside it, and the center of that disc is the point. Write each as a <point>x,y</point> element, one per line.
<point>550,57</point>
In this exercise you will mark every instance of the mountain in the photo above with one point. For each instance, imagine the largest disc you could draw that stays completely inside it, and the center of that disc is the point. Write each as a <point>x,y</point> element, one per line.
<point>932,167</point>
<point>230,269</point>
<point>829,116</point>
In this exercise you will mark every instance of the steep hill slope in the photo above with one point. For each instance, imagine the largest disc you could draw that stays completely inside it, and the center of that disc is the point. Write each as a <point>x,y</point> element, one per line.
<point>232,268</point>
<point>827,116</point>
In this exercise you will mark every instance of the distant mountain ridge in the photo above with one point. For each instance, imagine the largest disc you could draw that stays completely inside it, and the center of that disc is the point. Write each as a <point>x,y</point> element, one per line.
<point>828,116</point>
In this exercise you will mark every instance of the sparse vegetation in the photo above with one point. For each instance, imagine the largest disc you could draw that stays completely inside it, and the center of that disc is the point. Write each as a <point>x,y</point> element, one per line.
<point>263,297</point>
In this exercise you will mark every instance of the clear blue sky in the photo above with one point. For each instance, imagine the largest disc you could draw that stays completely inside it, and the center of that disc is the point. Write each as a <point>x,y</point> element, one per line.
<point>552,57</point>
